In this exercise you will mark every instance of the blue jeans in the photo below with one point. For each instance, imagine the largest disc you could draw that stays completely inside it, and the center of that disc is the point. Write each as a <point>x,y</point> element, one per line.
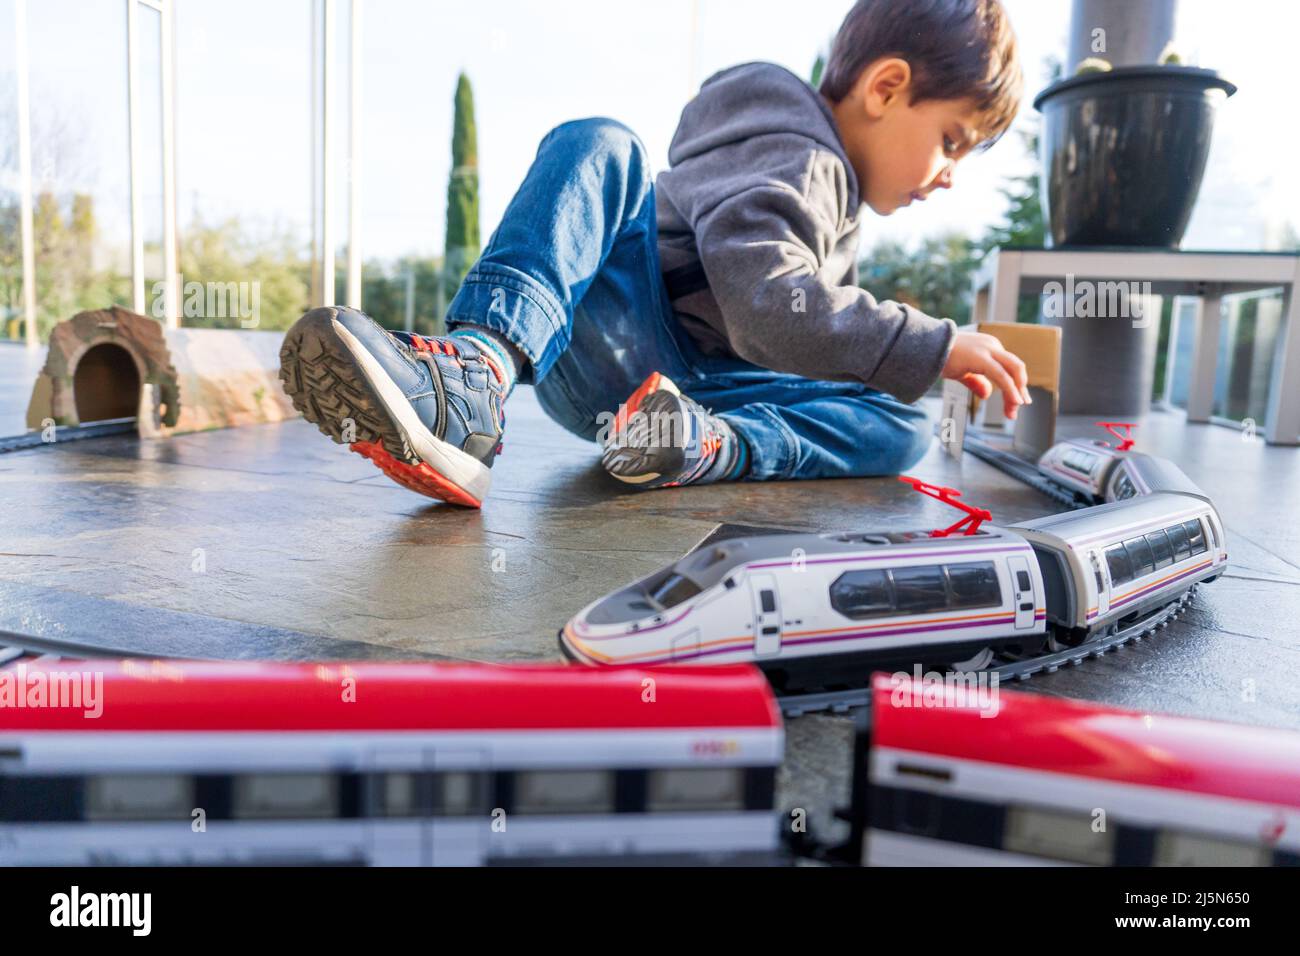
<point>571,276</point>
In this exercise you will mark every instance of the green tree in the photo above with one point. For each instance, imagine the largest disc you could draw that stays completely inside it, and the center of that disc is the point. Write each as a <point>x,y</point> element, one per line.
<point>934,277</point>
<point>462,243</point>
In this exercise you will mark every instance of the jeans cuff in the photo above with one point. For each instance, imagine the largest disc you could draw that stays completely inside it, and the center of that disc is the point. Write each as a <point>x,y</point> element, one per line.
<point>773,447</point>
<point>518,307</point>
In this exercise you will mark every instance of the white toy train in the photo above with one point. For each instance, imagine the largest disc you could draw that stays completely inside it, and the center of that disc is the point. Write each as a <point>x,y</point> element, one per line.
<point>809,608</point>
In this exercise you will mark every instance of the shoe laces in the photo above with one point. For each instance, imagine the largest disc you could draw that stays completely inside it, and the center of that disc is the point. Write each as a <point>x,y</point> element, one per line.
<point>446,346</point>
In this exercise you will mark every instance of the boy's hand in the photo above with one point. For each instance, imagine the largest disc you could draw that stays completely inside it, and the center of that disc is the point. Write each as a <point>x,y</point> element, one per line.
<point>979,361</point>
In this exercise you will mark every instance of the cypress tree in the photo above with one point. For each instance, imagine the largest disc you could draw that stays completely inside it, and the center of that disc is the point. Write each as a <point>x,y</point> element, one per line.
<point>462,246</point>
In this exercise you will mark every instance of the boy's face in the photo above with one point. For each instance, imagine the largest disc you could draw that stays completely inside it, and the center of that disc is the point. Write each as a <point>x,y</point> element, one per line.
<point>900,151</point>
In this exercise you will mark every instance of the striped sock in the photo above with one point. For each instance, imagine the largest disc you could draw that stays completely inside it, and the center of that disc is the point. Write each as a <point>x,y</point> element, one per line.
<point>497,347</point>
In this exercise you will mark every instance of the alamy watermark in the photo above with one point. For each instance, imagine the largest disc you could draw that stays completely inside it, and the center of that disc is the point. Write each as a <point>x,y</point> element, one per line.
<point>211,300</point>
<point>970,690</point>
<point>21,688</point>
<point>1087,299</point>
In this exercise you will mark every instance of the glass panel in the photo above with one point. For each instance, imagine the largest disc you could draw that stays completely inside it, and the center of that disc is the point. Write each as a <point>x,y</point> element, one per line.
<point>1178,538</point>
<point>1117,560</point>
<point>974,584</point>
<point>564,791</point>
<point>139,797</point>
<point>1185,849</point>
<point>862,594</point>
<point>11,260</point>
<point>1183,341</point>
<point>1247,343</point>
<point>675,590</point>
<point>1160,549</point>
<point>285,795</point>
<point>1059,836</point>
<point>919,589</point>
<point>1139,553</point>
<point>404,213</point>
<point>460,794</point>
<point>243,177</point>
<point>714,788</point>
<point>81,186</point>
<point>398,795</point>
<point>1195,535</point>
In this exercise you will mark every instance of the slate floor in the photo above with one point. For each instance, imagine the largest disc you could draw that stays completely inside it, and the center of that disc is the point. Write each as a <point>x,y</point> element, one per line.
<point>272,542</point>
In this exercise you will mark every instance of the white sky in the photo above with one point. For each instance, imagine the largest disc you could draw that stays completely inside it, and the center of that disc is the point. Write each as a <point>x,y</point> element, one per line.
<point>244,132</point>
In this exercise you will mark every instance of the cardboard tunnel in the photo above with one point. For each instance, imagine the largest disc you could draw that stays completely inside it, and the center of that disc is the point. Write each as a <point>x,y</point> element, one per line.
<point>114,363</point>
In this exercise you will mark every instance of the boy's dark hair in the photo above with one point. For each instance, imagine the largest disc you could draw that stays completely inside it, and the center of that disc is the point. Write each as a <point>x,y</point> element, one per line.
<point>956,48</point>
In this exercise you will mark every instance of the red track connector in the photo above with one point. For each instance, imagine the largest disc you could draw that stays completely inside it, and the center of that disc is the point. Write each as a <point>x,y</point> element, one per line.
<point>949,496</point>
<point>1126,439</point>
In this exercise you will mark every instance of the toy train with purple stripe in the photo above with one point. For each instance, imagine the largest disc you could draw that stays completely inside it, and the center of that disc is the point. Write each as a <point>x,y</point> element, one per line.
<point>1094,471</point>
<point>812,608</point>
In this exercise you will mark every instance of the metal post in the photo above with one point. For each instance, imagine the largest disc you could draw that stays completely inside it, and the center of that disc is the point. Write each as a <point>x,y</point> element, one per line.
<point>133,114</point>
<point>171,267</point>
<point>25,175</point>
<point>327,161</point>
<point>354,158</point>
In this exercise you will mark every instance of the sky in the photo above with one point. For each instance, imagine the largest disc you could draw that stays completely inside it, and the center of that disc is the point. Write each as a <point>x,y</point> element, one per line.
<point>244,109</point>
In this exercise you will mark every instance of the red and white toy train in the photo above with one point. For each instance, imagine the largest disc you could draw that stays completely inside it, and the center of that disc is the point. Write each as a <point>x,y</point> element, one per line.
<point>397,764</point>
<point>462,764</point>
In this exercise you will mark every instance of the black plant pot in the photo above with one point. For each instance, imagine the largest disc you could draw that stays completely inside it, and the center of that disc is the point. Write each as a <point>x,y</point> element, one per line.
<point>1124,151</point>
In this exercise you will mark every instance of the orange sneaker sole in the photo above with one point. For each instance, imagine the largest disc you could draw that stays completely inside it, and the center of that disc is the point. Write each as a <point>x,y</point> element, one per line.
<point>418,478</point>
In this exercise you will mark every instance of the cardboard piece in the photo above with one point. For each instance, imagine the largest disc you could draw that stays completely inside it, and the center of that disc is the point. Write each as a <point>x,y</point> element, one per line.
<point>1039,347</point>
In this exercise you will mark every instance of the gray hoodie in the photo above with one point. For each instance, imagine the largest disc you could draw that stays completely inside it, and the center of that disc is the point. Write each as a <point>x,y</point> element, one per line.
<point>758,240</point>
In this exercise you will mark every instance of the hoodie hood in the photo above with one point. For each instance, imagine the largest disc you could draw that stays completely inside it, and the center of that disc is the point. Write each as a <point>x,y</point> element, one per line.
<point>752,100</point>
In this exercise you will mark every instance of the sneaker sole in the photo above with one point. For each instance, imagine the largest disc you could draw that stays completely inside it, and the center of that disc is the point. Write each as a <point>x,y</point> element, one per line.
<point>342,389</point>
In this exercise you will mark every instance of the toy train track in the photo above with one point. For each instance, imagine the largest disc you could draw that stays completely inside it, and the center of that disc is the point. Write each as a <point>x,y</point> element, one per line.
<point>67,433</point>
<point>15,648</point>
<point>840,701</point>
<point>1023,471</point>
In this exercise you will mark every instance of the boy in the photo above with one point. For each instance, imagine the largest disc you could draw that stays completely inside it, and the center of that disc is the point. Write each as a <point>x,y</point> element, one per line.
<point>719,298</point>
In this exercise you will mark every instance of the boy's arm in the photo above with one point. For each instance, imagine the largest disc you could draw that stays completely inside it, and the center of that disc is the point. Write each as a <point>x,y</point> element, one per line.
<point>759,250</point>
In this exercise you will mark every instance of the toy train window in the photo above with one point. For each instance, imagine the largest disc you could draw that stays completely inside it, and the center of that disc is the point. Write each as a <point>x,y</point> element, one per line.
<point>1161,549</point>
<point>285,796</point>
<point>1139,554</point>
<point>1080,461</point>
<point>1186,849</point>
<point>1058,835</point>
<point>139,797</point>
<point>878,592</point>
<point>1178,540</point>
<point>1123,487</point>
<point>1121,568</point>
<point>919,589</point>
<point>673,590</point>
<point>1138,557</point>
<point>564,791</point>
<point>708,788</point>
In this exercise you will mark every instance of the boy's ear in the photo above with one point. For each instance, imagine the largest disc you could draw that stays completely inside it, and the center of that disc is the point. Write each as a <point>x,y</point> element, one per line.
<point>883,82</point>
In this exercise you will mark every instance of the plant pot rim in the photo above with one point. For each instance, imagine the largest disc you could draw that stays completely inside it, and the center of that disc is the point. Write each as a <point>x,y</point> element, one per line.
<point>1189,77</point>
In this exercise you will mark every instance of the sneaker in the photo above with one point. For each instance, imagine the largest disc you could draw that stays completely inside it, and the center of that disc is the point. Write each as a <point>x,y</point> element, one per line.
<point>662,438</point>
<point>427,411</point>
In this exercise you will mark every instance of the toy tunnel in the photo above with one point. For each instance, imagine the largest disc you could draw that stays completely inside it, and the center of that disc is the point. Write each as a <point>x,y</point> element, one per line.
<point>115,364</point>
